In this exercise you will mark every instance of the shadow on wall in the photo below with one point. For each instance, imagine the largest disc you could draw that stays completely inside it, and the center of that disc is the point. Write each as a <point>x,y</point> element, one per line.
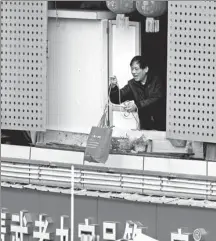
<point>15,137</point>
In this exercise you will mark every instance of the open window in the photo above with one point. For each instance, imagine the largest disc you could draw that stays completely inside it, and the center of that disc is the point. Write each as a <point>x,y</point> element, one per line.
<point>190,86</point>
<point>64,94</point>
<point>120,48</point>
<point>124,44</point>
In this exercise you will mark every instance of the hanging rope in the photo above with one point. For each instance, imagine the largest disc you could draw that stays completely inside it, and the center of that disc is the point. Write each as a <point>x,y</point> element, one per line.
<point>57,16</point>
<point>124,114</point>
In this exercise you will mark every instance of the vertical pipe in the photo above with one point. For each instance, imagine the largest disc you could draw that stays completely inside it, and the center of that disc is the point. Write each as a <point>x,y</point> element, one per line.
<point>0,119</point>
<point>72,203</point>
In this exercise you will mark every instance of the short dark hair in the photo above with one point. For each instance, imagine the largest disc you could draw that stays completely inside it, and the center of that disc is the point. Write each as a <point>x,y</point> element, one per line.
<point>139,60</point>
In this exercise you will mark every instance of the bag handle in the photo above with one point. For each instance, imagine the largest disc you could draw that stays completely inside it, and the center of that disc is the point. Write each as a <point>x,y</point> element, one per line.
<point>102,122</point>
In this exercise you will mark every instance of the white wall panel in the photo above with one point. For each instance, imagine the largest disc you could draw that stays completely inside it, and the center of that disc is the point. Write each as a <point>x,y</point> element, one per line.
<point>77,82</point>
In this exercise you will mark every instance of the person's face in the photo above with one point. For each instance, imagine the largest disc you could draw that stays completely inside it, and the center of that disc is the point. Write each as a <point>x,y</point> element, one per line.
<point>138,73</point>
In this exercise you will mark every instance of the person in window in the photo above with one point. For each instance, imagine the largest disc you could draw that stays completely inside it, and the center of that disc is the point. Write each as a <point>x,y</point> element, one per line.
<point>145,94</point>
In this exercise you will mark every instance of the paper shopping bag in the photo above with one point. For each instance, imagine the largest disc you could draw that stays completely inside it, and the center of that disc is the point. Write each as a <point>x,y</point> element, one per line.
<point>98,145</point>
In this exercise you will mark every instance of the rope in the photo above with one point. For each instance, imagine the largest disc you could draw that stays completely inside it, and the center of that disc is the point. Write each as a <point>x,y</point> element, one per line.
<point>125,114</point>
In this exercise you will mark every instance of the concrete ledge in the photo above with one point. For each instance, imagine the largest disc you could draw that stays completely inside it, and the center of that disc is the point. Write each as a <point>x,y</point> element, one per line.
<point>169,165</point>
<point>13,151</point>
<point>121,161</point>
<point>57,156</point>
<point>81,14</point>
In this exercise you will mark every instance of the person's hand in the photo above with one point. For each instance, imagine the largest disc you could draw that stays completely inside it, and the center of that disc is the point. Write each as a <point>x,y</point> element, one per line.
<point>130,107</point>
<point>113,81</point>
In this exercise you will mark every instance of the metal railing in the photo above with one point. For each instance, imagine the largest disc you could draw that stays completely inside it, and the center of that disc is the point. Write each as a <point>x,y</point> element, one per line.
<point>106,180</point>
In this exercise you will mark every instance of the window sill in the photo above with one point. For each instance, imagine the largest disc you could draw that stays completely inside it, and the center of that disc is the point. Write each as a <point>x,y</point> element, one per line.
<point>157,146</point>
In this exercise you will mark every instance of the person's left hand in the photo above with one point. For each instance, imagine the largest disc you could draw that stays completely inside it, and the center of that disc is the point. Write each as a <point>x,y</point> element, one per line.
<point>131,107</point>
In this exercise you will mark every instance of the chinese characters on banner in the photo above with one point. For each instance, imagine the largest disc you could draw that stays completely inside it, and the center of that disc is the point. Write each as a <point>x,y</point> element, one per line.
<point>22,227</point>
<point>184,235</point>
<point>111,230</point>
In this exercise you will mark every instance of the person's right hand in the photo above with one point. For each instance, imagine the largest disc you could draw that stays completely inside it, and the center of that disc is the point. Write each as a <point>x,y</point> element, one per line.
<point>113,81</point>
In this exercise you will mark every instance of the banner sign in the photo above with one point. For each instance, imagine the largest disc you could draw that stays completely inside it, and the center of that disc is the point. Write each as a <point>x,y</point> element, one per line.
<point>25,226</point>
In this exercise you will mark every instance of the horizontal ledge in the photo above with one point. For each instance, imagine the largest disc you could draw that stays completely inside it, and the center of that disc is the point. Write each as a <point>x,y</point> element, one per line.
<point>81,14</point>
<point>154,197</point>
<point>64,147</point>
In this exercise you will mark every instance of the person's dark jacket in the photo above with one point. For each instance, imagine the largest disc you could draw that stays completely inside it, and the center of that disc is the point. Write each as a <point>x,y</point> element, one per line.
<point>149,99</point>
